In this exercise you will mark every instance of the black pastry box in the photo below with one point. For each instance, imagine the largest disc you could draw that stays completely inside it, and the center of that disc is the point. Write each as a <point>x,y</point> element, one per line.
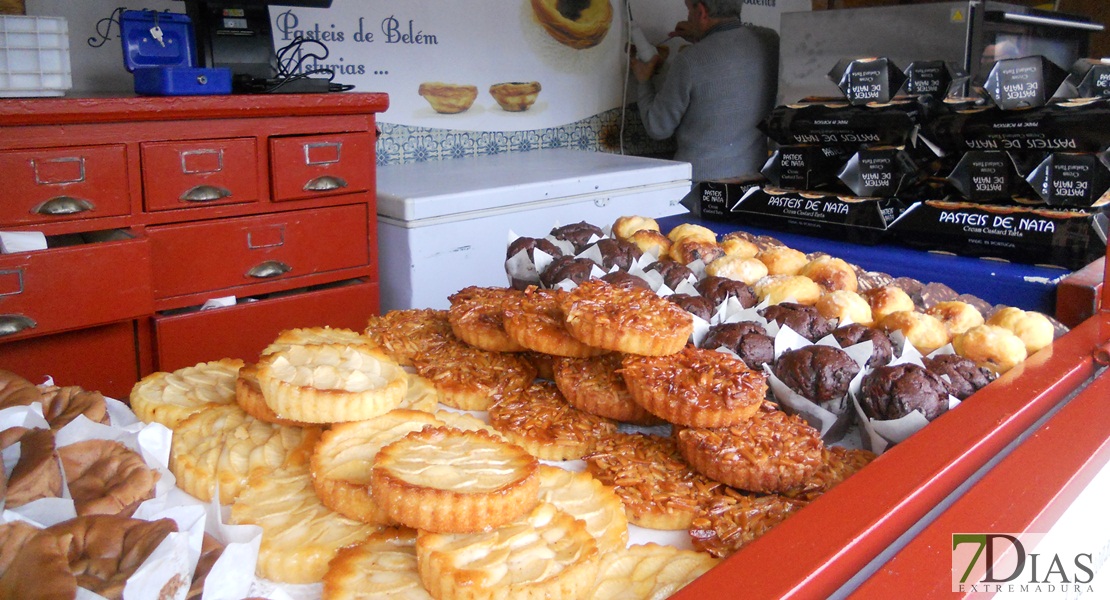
<point>712,200</point>
<point>859,220</point>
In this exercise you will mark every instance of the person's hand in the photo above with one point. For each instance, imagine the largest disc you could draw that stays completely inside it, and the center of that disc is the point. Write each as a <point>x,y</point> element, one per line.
<point>685,30</point>
<point>643,71</point>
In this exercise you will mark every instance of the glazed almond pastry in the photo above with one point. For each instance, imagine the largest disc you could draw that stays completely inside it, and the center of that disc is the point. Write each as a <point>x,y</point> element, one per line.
<point>515,96</point>
<point>629,320</point>
<point>733,520</point>
<point>383,566</point>
<point>472,379</point>
<point>771,452</point>
<point>837,464</point>
<point>299,534</point>
<point>536,322</point>
<point>541,422</point>
<point>593,385</point>
<point>344,458</point>
<point>106,477</point>
<point>248,395</point>
<point>648,571</point>
<point>225,445</point>
<point>585,498</point>
<point>404,333</point>
<point>168,398</point>
<point>331,383</point>
<point>696,387</point>
<point>579,24</point>
<point>477,317</point>
<point>447,480</point>
<point>314,336</point>
<point>448,98</point>
<point>546,553</point>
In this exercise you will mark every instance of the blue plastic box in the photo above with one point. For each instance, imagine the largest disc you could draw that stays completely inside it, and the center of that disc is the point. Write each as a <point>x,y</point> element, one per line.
<point>167,68</point>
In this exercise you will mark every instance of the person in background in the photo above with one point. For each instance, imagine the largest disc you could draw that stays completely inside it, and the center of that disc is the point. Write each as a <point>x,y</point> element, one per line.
<point>715,92</point>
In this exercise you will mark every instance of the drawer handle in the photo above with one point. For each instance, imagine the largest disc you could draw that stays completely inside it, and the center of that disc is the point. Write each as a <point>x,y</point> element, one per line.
<point>63,205</point>
<point>268,269</point>
<point>325,183</point>
<point>205,193</point>
<point>13,324</point>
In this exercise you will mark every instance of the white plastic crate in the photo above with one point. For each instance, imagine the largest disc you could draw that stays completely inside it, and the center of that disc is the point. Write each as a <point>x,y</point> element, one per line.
<point>34,56</point>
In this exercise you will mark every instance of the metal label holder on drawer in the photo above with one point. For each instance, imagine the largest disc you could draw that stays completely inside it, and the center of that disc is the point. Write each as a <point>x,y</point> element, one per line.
<point>160,51</point>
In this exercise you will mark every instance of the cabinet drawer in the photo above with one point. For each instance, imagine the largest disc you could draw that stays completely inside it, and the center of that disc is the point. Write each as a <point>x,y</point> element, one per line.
<point>101,358</point>
<point>320,165</point>
<point>75,286</point>
<point>216,255</point>
<point>58,185</point>
<point>244,330</point>
<point>199,173</point>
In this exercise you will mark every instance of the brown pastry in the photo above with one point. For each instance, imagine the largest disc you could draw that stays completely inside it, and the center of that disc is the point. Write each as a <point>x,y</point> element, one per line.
<point>210,551</point>
<point>625,280</point>
<point>845,307</point>
<point>894,391</point>
<point>838,464</point>
<point>530,245</point>
<point>689,249</point>
<point>774,289</point>
<point>106,477</point>
<point>734,519</point>
<point>820,373</point>
<point>581,234</point>
<point>805,320</point>
<point>718,289</point>
<point>964,376</point>
<point>16,391</point>
<point>887,300</point>
<point>617,253</point>
<point>695,305</point>
<point>674,273</point>
<point>625,226</point>
<point>633,321</point>
<point>448,98</point>
<point>570,268</point>
<point>515,96</point>
<point>477,317</point>
<point>536,322</point>
<point>542,422</point>
<point>748,339</point>
<point>37,475</point>
<point>594,386</point>
<point>831,273</point>
<point>882,350</point>
<point>402,334</point>
<point>579,24</point>
<point>925,332</point>
<point>472,379</point>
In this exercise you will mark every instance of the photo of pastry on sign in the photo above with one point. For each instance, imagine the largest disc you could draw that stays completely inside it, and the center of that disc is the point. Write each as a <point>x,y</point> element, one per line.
<point>576,23</point>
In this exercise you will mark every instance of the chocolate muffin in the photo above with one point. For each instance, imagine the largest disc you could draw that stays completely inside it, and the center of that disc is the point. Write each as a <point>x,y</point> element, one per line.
<point>803,319</point>
<point>748,339</point>
<point>617,253</point>
<point>718,289</point>
<point>696,305</point>
<point>820,373</point>
<point>531,244</point>
<point>566,267</point>
<point>625,280</point>
<point>674,273</point>
<point>964,376</point>
<point>882,350</point>
<point>892,392</point>
<point>578,234</point>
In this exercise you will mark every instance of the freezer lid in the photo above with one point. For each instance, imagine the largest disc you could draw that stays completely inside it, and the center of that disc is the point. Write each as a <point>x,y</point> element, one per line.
<point>425,190</point>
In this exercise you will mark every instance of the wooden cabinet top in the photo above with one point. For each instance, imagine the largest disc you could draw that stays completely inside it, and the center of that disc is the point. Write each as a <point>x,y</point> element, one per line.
<point>72,110</point>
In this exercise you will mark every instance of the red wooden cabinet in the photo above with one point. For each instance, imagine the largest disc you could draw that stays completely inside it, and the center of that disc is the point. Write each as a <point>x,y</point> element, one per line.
<point>153,205</point>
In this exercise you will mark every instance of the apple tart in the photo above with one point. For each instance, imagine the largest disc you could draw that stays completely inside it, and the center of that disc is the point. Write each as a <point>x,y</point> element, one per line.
<point>542,422</point>
<point>402,334</point>
<point>169,398</point>
<point>316,336</point>
<point>383,566</point>
<point>585,498</point>
<point>248,395</point>
<point>648,571</point>
<point>629,320</point>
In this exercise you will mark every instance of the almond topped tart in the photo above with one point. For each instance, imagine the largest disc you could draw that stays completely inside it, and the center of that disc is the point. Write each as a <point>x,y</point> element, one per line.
<point>630,320</point>
<point>593,385</point>
<point>838,464</point>
<point>404,333</point>
<point>383,566</point>
<point>168,398</point>
<point>537,323</point>
<point>734,519</point>
<point>772,452</point>
<point>658,489</point>
<point>469,378</point>
<point>696,387</point>
<point>448,480</point>
<point>585,498</point>
<point>541,422</point>
<point>315,336</point>
<point>547,553</point>
<point>331,383</point>
<point>648,571</point>
<point>344,458</point>
<point>477,317</point>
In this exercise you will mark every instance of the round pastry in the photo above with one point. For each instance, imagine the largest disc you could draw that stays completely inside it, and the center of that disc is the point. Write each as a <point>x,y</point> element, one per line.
<point>956,316</point>
<point>14,535</point>
<point>774,289</point>
<point>964,376</point>
<point>695,305</point>
<point>882,350</point>
<point>448,98</point>
<point>831,273</point>
<point>805,320</point>
<point>887,300</point>
<point>739,245</point>
<point>210,552</point>
<point>673,272</point>
<point>477,317</point>
<point>169,398</point>
<point>472,379</point>
<point>61,405</point>
<point>37,475</point>
<point>382,566</point>
<point>748,339</point>
<point>570,268</point>
<point>579,24</point>
<point>820,373</point>
<point>782,260</point>
<point>913,289</point>
<point>542,422</point>
<point>925,332</point>
<point>617,253</point>
<point>733,520</point>
<point>736,266</point>
<point>448,480</point>
<point>625,226</point>
<point>593,385</point>
<point>869,280</point>
<point>530,245</point>
<point>625,280</point>
<point>248,395</point>
<point>515,96</point>
<point>696,387</point>
<point>935,293</point>
<point>1033,328</point>
<point>771,452</point>
<point>584,497</point>
<point>651,242</point>
<point>692,231</point>
<point>402,334</point>
<point>843,306</point>
<point>838,464</point>
<point>309,336</point>
<point>894,391</point>
<point>633,321</point>
<point>687,250</point>
<point>581,234</point>
<point>16,391</point>
<point>544,364</point>
<point>718,289</point>
<point>992,347</point>
<point>536,322</point>
<point>106,478</point>
<point>648,571</point>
